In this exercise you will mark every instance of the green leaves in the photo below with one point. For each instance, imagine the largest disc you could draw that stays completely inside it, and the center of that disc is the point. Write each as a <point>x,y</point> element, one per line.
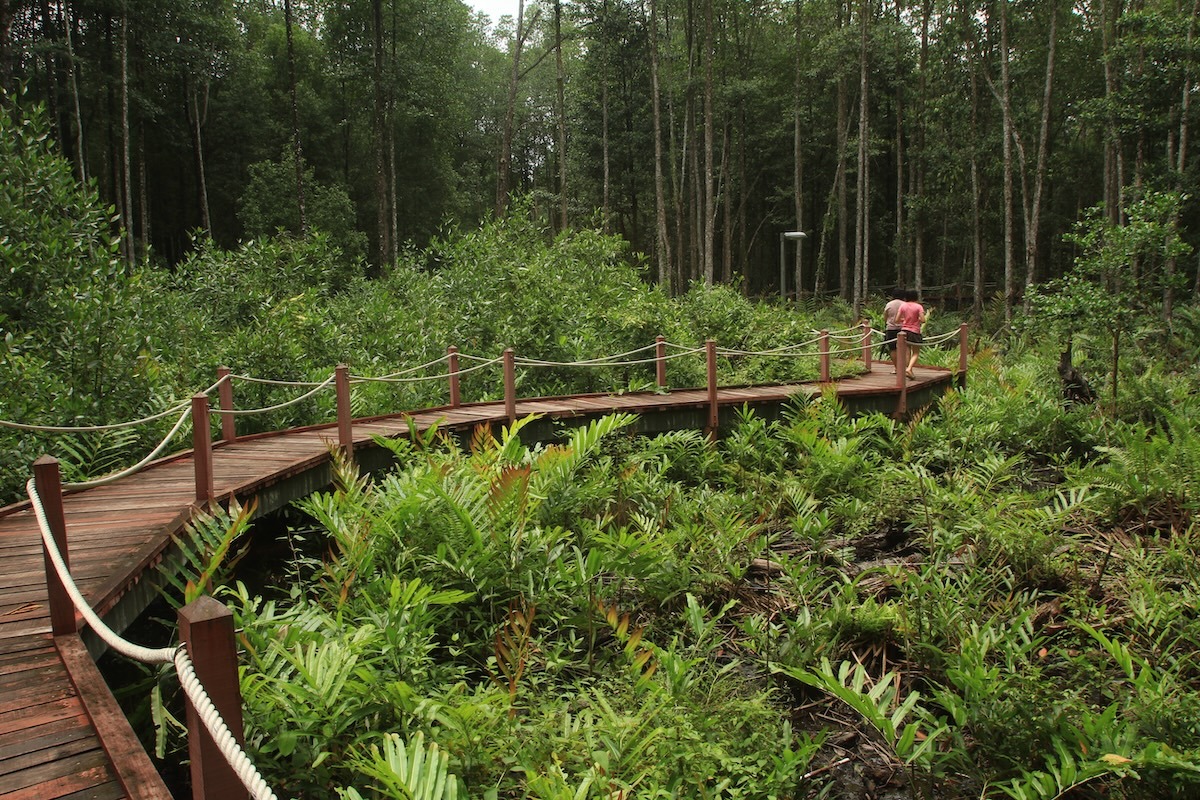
<point>879,703</point>
<point>407,771</point>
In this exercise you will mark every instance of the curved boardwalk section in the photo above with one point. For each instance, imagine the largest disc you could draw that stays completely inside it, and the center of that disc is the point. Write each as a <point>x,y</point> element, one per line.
<point>61,733</point>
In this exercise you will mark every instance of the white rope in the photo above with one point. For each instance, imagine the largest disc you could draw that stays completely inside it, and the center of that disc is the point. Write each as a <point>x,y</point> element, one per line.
<point>237,412</point>
<point>130,470</point>
<point>127,649</point>
<point>269,382</point>
<point>208,713</point>
<point>470,357</point>
<point>839,330</point>
<point>477,367</point>
<point>21,426</point>
<point>441,376</point>
<point>687,350</point>
<point>600,361</point>
<point>774,351</point>
<point>234,755</point>
<point>395,377</point>
<point>941,338</point>
<point>534,362</point>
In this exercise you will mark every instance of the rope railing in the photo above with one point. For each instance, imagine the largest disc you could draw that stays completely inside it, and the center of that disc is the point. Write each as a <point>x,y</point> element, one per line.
<point>22,426</point>
<point>178,656</point>
<point>115,476</point>
<point>846,342</point>
<point>317,388</point>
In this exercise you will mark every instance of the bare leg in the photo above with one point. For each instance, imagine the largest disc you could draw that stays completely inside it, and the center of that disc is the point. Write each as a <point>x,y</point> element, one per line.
<point>914,350</point>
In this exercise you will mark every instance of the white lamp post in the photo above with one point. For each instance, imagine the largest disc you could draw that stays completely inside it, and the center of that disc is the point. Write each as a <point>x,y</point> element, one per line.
<point>795,236</point>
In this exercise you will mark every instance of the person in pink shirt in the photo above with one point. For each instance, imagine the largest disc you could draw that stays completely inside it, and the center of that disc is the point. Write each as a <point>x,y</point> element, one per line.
<point>911,317</point>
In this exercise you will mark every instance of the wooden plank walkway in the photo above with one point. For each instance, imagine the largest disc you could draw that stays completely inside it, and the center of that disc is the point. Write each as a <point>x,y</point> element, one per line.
<point>61,733</point>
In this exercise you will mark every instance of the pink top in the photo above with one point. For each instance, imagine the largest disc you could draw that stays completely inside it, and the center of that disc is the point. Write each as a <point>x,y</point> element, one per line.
<point>911,317</point>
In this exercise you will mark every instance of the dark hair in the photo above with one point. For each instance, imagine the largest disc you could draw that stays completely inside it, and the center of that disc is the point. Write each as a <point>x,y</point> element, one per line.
<point>899,293</point>
<point>911,295</point>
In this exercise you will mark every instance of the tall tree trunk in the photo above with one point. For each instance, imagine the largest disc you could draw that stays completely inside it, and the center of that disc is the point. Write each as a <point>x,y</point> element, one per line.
<point>798,151</point>
<point>1033,214</point>
<point>976,198</point>
<point>605,160</point>
<point>197,114</point>
<point>510,111</point>
<point>143,196</point>
<point>126,149</point>
<point>1180,165</point>
<point>862,188</point>
<point>708,257</point>
<point>81,170</point>
<point>560,87</point>
<point>919,220</point>
<point>383,249</point>
<point>662,245</point>
<point>1007,149</point>
<point>1113,177</point>
<point>297,150</point>
<point>843,136</point>
<point>6,56</point>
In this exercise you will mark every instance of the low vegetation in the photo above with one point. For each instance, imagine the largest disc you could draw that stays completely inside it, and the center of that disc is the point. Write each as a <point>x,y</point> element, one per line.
<point>995,599</point>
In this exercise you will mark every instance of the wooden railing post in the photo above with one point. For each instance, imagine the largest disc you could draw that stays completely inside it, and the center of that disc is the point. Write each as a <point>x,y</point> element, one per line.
<point>710,358</point>
<point>866,346</point>
<point>962,355</point>
<point>345,415</point>
<point>225,396</point>
<point>202,458</point>
<point>206,628</point>
<point>452,361</point>
<point>824,356</point>
<point>510,385</point>
<point>49,488</point>
<point>660,361</point>
<point>901,368</point>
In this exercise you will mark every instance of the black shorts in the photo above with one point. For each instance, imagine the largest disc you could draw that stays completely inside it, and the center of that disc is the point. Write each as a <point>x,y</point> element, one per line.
<point>913,338</point>
<point>889,338</point>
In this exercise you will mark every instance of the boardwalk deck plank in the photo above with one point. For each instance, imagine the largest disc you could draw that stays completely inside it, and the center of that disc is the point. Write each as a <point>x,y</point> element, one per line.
<point>49,746</point>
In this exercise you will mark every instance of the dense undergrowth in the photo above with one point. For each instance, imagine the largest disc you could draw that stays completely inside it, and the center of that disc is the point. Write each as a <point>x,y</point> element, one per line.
<point>995,599</point>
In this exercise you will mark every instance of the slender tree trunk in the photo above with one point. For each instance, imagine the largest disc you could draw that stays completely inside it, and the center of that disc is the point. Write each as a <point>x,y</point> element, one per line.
<point>918,218</point>
<point>605,159</point>
<point>862,188</point>
<point>976,199</point>
<point>1180,165</point>
<point>560,86</point>
<point>725,207</point>
<point>81,170</point>
<point>798,151</point>
<point>510,111</point>
<point>297,150</point>
<point>197,119</point>
<point>1113,177</point>
<point>6,20</point>
<point>843,136</point>
<point>126,149</point>
<point>662,248</point>
<point>143,196</point>
<point>383,250</point>
<point>708,257</point>
<point>1033,216</point>
<point>1007,148</point>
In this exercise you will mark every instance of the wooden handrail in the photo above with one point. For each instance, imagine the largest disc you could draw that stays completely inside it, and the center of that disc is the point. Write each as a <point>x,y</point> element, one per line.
<point>202,450</point>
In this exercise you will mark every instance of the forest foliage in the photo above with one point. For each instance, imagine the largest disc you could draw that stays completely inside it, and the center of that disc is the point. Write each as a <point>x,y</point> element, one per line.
<point>945,145</point>
<point>995,598</point>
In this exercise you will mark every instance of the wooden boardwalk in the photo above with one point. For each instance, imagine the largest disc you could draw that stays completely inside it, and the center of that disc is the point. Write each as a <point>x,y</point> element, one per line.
<point>61,733</point>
